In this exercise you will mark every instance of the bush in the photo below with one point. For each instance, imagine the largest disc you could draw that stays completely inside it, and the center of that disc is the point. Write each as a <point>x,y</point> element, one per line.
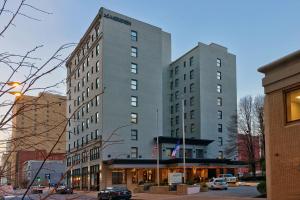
<point>252,178</point>
<point>189,182</point>
<point>262,188</point>
<point>204,185</point>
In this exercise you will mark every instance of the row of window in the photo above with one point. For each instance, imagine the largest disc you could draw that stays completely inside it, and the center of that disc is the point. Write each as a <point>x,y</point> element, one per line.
<point>198,153</point>
<point>134,99</point>
<point>176,132</point>
<point>176,69</point>
<point>84,140</point>
<point>75,159</point>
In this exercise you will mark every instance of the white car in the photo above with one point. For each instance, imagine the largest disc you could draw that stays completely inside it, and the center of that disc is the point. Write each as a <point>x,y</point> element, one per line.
<point>217,183</point>
<point>229,178</point>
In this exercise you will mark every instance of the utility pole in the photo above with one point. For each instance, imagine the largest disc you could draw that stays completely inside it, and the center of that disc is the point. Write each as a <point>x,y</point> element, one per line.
<point>183,142</point>
<point>157,149</point>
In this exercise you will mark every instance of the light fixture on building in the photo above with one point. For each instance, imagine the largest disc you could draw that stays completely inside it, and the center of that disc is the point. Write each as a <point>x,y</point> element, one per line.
<point>298,97</point>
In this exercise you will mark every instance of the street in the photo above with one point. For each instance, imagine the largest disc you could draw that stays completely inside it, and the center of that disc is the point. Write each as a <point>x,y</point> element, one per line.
<point>233,193</point>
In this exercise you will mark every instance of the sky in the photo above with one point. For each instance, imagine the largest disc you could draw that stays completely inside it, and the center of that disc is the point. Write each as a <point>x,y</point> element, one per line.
<point>256,31</point>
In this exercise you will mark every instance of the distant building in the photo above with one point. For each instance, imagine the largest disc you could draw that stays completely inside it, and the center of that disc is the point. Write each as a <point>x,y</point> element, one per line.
<point>243,152</point>
<point>52,172</point>
<point>38,123</point>
<point>282,122</point>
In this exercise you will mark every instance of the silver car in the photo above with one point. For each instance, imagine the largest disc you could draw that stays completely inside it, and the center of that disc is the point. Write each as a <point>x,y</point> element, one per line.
<point>217,183</point>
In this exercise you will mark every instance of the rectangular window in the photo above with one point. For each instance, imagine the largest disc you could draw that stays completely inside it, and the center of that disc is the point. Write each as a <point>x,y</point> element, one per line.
<point>193,128</point>
<point>134,152</point>
<point>176,82</point>
<point>219,75</point>
<point>192,101</point>
<point>172,110</point>
<point>220,141</point>
<point>97,50</point>
<point>219,62</point>
<point>87,92</point>
<point>97,83</point>
<point>184,64</point>
<point>177,120</point>
<point>171,85</point>
<point>117,177</point>
<point>191,61</point>
<point>177,95</point>
<point>192,114</point>
<point>97,134</point>
<point>177,132</point>
<point>219,101</point>
<point>133,68</point>
<point>171,73</point>
<point>87,76</point>
<point>199,153</point>
<point>192,87</point>
<point>219,88</point>
<point>134,101</point>
<point>191,74</point>
<point>133,84</point>
<point>133,35</point>
<point>176,69</point>
<point>221,155</point>
<point>219,114</point>
<point>97,66</point>
<point>293,105</point>
<point>220,128</point>
<point>96,117</point>
<point>97,100</point>
<point>134,118</point>
<point>134,52</point>
<point>134,134</point>
<point>177,107</point>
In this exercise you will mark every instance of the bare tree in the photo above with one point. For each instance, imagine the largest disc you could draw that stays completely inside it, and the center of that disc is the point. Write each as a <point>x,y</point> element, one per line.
<point>231,148</point>
<point>246,132</point>
<point>259,116</point>
<point>31,71</point>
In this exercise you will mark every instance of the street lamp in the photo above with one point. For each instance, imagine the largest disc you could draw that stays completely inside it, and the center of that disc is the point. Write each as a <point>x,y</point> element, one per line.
<point>13,83</point>
<point>15,93</point>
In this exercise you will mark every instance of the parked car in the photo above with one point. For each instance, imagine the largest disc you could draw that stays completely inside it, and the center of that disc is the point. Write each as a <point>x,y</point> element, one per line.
<point>36,190</point>
<point>229,178</point>
<point>113,193</point>
<point>217,183</point>
<point>62,189</point>
<point>12,197</point>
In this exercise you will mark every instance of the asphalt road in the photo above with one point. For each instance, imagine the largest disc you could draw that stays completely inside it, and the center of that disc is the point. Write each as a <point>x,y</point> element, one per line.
<point>233,193</point>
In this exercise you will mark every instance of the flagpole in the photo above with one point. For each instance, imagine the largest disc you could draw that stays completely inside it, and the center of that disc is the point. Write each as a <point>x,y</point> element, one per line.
<point>157,150</point>
<point>183,142</point>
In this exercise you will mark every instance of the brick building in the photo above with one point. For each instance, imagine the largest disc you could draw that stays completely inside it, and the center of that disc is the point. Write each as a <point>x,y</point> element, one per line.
<point>38,123</point>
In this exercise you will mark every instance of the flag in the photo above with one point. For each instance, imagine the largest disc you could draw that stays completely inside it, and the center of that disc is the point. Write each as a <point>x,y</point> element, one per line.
<point>175,150</point>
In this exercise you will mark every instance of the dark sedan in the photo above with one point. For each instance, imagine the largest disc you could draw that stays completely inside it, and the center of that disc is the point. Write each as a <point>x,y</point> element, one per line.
<point>114,193</point>
<point>63,190</point>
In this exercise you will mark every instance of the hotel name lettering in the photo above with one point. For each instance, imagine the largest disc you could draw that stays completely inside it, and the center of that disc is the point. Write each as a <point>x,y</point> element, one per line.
<point>118,19</point>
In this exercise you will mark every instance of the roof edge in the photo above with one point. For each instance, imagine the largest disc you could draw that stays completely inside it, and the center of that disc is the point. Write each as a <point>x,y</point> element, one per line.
<point>288,58</point>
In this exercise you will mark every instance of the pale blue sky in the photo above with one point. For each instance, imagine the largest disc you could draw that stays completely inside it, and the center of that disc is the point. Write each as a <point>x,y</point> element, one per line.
<point>256,31</point>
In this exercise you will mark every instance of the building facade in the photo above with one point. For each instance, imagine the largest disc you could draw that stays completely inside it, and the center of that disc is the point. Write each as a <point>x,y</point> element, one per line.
<point>282,124</point>
<point>52,172</point>
<point>119,104</point>
<point>38,123</point>
<point>203,81</point>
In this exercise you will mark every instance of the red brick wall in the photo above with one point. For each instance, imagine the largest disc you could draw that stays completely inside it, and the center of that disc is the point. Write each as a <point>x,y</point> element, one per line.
<point>242,152</point>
